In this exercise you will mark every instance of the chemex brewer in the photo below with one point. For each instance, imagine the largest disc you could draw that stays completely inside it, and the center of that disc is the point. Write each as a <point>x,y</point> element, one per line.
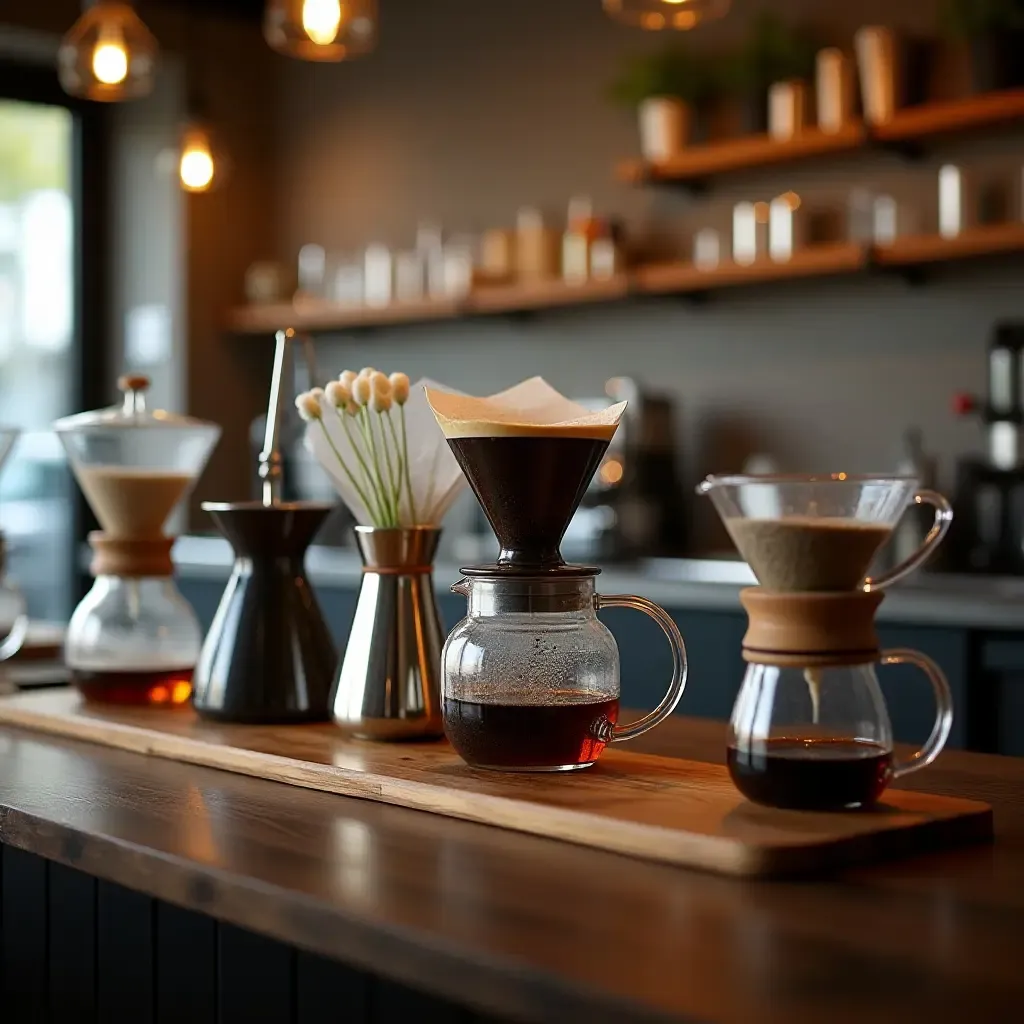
<point>134,639</point>
<point>810,729</point>
<point>530,678</point>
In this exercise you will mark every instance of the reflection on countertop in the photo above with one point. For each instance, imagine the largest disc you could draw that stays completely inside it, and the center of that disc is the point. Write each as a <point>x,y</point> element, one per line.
<point>981,602</point>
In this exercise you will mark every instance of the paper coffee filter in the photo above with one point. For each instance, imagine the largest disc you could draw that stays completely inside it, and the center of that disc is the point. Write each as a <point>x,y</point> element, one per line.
<point>532,408</point>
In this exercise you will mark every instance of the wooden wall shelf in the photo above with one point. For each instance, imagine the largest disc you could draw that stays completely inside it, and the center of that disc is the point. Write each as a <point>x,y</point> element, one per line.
<point>988,240</point>
<point>685,278</point>
<point>696,164</point>
<point>653,279</point>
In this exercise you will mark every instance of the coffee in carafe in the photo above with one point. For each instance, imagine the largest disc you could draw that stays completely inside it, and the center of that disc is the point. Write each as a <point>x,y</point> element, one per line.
<point>530,678</point>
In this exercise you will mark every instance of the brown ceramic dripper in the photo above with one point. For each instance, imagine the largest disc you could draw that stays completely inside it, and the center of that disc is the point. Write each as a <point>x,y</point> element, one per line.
<point>810,729</point>
<point>530,678</point>
<point>268,656</point>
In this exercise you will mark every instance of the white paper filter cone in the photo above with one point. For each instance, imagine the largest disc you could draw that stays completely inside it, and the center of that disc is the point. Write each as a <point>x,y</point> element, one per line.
<point>532,407</point>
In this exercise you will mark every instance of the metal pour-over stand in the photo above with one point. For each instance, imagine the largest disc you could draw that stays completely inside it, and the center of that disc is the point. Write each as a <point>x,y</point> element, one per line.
<point>269,656</point>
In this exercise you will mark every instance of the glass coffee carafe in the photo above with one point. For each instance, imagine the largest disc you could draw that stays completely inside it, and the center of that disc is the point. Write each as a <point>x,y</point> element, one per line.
<point>133,638</point>
<point>530,678</point>
<point>810,729</point>
<point>531,675</point>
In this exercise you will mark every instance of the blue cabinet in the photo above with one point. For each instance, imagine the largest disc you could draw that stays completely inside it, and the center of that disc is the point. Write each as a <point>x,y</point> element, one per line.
<point>988,715</point>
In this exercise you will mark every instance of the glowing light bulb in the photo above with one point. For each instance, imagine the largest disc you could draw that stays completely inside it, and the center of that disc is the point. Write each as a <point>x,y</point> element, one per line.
<point>321,20</point>
<point>196,168</point>
<point>110,59</point>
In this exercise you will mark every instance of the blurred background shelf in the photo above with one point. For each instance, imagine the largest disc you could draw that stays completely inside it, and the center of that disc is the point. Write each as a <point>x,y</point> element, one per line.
<point>696,164</point>
<point>929,120</point>
<point>319,315</point>
<point>814,261</point>
<point>671,278</point>
<point>987,240</point>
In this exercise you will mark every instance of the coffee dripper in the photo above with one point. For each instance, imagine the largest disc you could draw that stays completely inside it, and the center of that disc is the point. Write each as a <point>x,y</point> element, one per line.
<point>530,678</point>
<point>810,729</point>
<point>133,639</point>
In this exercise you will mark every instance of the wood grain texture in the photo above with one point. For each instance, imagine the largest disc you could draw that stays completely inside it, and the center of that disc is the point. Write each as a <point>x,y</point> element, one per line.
<point>665,809</point>
<point>530,929</point>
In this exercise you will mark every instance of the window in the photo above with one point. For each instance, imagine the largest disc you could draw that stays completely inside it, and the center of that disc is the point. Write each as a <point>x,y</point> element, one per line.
<point>45,364</point>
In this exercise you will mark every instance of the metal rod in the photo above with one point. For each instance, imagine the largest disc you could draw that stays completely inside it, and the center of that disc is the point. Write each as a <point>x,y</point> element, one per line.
<point>270,457</point>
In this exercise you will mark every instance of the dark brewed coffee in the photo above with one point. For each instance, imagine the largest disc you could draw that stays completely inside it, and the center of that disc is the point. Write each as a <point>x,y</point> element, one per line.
<point>811,774</point>
<point>159,687</point>
<point>529,487</point>
<point>560,734</point>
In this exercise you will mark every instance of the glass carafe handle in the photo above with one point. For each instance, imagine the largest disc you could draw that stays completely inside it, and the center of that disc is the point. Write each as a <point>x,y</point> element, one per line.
<point>12,643</point>
<point>943,710</point>
<point>943,517</point>
<point>619,733</point>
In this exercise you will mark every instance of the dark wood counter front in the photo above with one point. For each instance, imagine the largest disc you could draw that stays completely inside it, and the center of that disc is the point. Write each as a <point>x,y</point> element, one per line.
<point>497,922</point>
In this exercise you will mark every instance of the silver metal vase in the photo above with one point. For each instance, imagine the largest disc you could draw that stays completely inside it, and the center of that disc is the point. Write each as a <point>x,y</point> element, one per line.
<point>390,682</point>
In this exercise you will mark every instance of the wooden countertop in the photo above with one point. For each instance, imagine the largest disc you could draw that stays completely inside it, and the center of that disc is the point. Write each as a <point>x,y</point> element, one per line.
<point>534,929</point>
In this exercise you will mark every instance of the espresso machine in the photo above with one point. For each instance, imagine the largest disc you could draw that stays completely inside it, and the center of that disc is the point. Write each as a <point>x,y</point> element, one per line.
<point>633,506</point>
<point>988,528</point>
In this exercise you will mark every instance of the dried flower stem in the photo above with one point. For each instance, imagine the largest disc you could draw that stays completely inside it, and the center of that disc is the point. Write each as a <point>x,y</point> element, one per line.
<point>405,460</point>
<point>375,508</point>
<point>391,517</point>
<point>344,466</point>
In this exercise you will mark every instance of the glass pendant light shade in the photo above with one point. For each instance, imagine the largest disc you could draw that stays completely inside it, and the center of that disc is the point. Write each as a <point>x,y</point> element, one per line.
<point>108,54</point>
<point>655,15</point>
<point>330,30</point>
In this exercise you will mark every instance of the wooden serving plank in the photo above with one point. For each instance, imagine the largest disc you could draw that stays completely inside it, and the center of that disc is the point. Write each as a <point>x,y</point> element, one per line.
<point>679,812</point>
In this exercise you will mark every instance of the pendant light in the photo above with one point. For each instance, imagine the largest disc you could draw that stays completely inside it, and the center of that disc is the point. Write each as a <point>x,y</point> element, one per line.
<point>656,15</point>
<point>200,167</point>
<point>108,54</point>
<point>330,30</point>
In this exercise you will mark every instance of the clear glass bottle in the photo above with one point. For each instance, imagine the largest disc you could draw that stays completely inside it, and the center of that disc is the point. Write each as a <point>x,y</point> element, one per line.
<point>133,638</point>
<point>133,641</point>
<point>819,737</point>
<point>531,675</point>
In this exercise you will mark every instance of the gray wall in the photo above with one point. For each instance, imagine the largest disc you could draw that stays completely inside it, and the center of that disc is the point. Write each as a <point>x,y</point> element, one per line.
<point>470,110</point>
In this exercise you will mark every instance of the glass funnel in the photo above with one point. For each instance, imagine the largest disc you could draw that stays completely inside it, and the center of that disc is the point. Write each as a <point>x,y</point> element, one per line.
<point>820,533</point>
<point>134,465</point>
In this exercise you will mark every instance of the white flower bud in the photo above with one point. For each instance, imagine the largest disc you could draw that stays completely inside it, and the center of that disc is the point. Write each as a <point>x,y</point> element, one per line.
<point>308,405</point>
<point>380,384</point>
<point>399,388</point>
<point>338,394</point>
<point>380,401</point>
<point>348,378</point>
<point>362,390</point>
<point>318,394</point>
<point>367,371</point>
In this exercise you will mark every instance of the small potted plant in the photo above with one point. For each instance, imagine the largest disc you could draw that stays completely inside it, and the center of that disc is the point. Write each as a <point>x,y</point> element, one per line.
<point>774,52</point>
<point>994,32</point>
<point>665,88</point>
